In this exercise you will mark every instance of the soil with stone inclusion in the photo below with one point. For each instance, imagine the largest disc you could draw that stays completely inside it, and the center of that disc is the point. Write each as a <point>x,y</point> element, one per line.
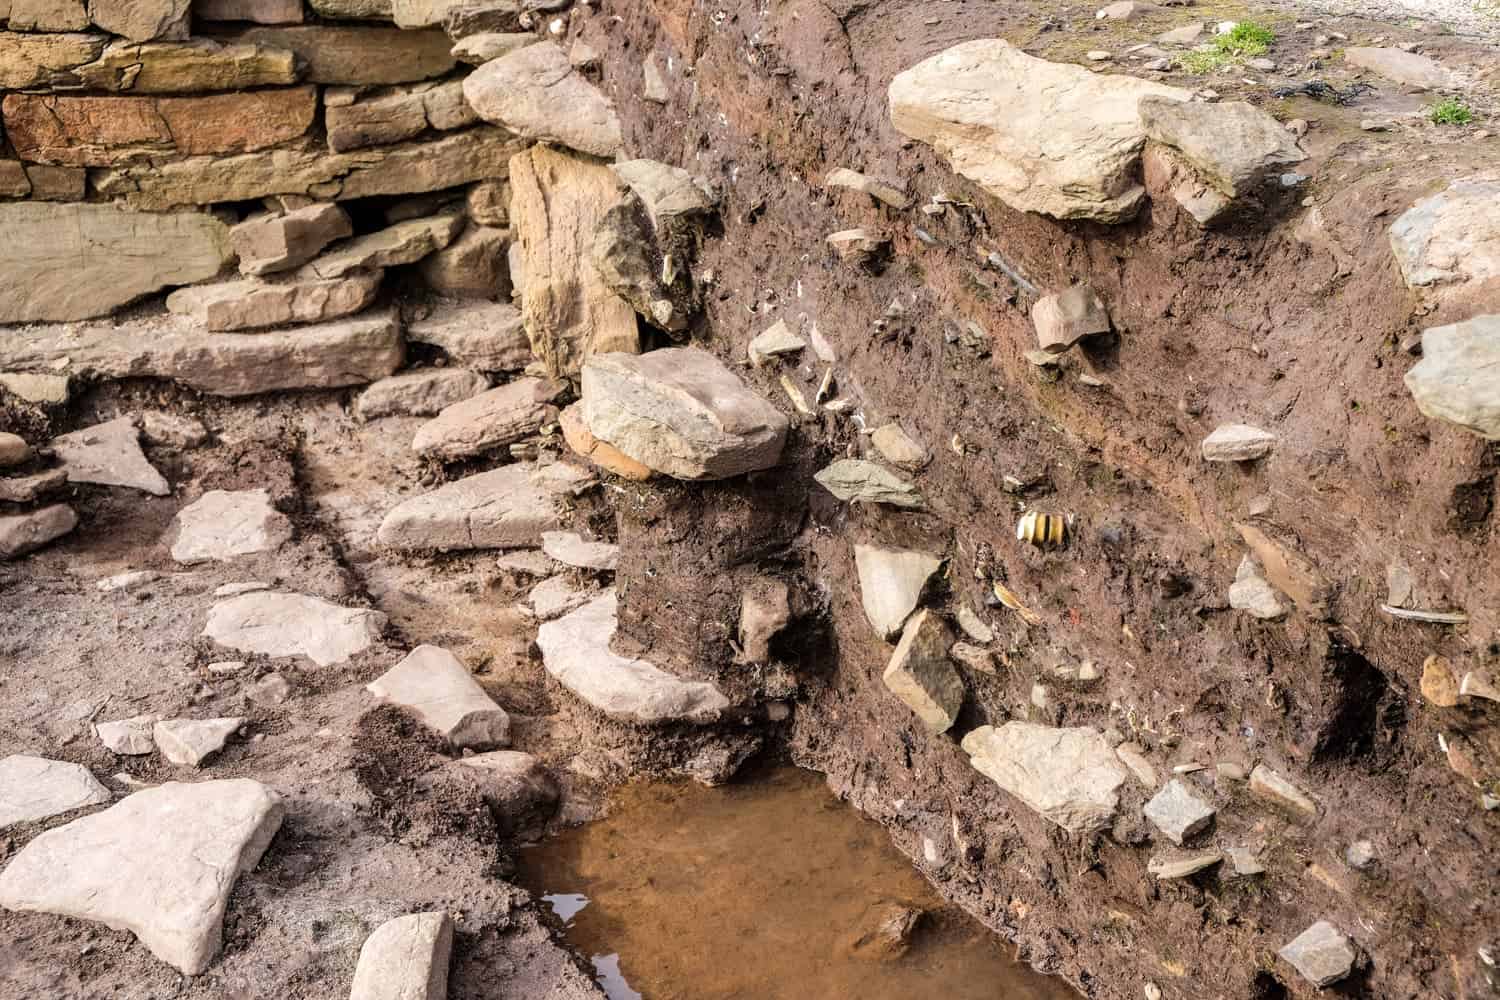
<point>1250,324</point>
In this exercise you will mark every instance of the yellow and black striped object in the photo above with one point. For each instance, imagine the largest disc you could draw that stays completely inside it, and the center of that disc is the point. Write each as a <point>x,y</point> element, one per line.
<point>1042,530</point>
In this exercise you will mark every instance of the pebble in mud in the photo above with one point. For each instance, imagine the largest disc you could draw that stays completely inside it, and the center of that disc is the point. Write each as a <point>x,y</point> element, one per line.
<point>1322,954</point>
<point>1178,813</point>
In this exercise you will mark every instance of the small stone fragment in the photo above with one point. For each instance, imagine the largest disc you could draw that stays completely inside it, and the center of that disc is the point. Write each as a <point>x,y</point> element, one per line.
<point>899,448</point>
<point>1360,855</point>
<point>891,582</point>
<point>192,741</point>
<point>855,480</point>
<point>973,626</point>
<point>1069,776</point>
<point>1321,954</point>
<point>24,489</point>
<point>884,933</point>
<point>1400,584</point>
<point>434,685</point>
<point>405,959</point>
<point>920,674</point>
<point>109,454</point>
<point>403,243</point>
<point>1245,862</point>
<point>880,191</point>
<point>971,656</point>
<point>1133,756</point>
<point>13,449</point>
<point>172,430</point>
<point>127,581</point>
<point>774,341</point>
<point>272,689</point>
<point>34,387</point>
<point>34,788</point>
<point>521,793</point>
<point>1237,443</point>
<point>1272,787</point>
<point>765,609</point>
<point>1408,68</point>
<point>1250,592</point>
<point>859,246</point>
<point>555,597</point>
<point>1178,813</point>
<point>1064,319</point>
<point>1478,685</point>
<point>220,526</point>
<point>280,242</point>
<point>128,737</point>
<point>572,549</point>
<point>1439,685</point>
<point>1178,868</point>
<point>476,50</point>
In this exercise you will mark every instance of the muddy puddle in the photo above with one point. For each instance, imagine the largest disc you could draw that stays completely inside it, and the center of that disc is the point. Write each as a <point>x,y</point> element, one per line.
<point>770,889</point>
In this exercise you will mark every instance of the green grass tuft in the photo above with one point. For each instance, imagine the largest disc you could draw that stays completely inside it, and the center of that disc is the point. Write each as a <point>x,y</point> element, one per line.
<point>1247,39</point>
<point>1450,111</point>
<point>1200,63</point>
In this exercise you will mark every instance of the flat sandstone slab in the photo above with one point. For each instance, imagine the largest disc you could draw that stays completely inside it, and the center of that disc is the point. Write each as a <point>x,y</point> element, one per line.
<point>160,864</point>
<point>34,788</point>
<point>283,625</point>
<point>405,959</point>
<point>506,508</point>
<point>1069,776</point>
<point>436,687</point>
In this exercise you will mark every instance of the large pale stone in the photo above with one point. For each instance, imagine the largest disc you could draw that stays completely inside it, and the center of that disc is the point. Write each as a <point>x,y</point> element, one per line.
<point>891,582</point>
<point>1042,137</point>
<point>13,450</point>
<point>410,168</point>
<point>403,243</point>
<point>220,526</point>
<point>1237,443</point>
<point>360,56</point>
<point>437,688</point>
<point>45,60</point>
<point>1233,145</point>
<point>1069,776</point>
<point>489,420</point>
<point>405,959</point>
<point>557,202</point>
<point>284,625</point>
<point>1178,813</point>
<point>34,788</point>
<point>160,864</point>
<point>128,737</point>
<point>254,303</point>
<point>536,93</point>
<point>268,243</point>
<point>188,67</point>
<point>34,387</point>
<point>576,651</point>
<point>326,355</point>
<point>1322,954</point>
<point>71,262</point>
<point>420,393</point>
<point>396,115</point>
<point>141,20</point>
<point>190,742</point>
<point>680,412</point>
<point>854,480</point>
<point>24,533</point>
<point>24,489</point>
<point>505,508</point>
<point>920,674</point>
<point>1250,592</point>
<point>488,336</point>
<point>1452,236</point>
<point>1416,71</point>
<point>109,454</point>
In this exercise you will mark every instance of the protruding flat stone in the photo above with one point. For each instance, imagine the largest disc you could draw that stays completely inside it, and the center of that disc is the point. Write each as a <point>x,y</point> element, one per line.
<point>572,549</point>
<point>405,959</point>
<point>1178,813</point>
<point>190,742</point>
<point>535,92</point>
<point>576,651</point>
<point>1063,319</point>
<point>128,737</point>
<point>268,243</point>
<point>555,597</point>
<point>1272,787</point>
<point>774,341</point>
<point>1322,954</point>
<point>505,508</point>
<point>1237,443</point>
<point>1451,237</point>
<point>891,195</point>
<point>109,454</point>
<point>891,582</point>
<point>404,243</point>
<point>421,393</point>
<point>437,688</point>
<point>161,864</point>
<point>492,419</point>
<point>1069,776</point>
<point>682,413</point>
<point>34,788</point>
<point>1458,378</point>
<point>1232,145</point>
<point>921,675</point>
<point>280,624</point>
<point>855,480</point>
<point>1177,868</point>
<point>220,526</point>
<point>24,533</point>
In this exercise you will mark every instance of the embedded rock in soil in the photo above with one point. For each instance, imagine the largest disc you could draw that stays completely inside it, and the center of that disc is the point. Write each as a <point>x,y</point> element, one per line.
<point>23,533</point>
<point>404,243</point>
<point>71,262</point>
<point>109,454</point>
<point>280,624</point>
<point>1042,137</point>
<point>1235,146</point>
<point>438,689</point>
<point>128,737</point>
<point>572,549</point>
<point>1439,685</point>
<point>1250,592</point>
<point>772,342</point>
<point>419,393</point>
<point>1321,954</point>
<point>1068,776</point>
<point>885,932</point>
<point>1175,868</point>
<point>252,304</point>
<point>160,864</point>
<point>1458,378</point>
<point>680,412</point>
<point>1237,443</point>
<point>1291,572</point>
<point>326,355</point>
<point>492,419</point>
<point>405,959</point>
<point>267,243</point>
<point>557,202</point>
<point>220,526</point>
<point>891,195</point>
<point>555,597</point>
<point>192,741</point>
<point>13,449</point>
<point>1272,787</point>
<point>1064,319</point>
<point>193,66</point>
<point>575,651</point>
<point>34,788</point>
<point>854,480</point>
<point>172,430</point>
<point>1178,813</point>
<point>1408,68</point>
<point>648,275</point>
<point>518,788</point>
<point>489,337</point>
<point>505,508</point>
<point>1452,236</point>
<point>606,456</point>
<point>891,582</point>
<point>920,674</point>
<point>673,199</point>
<point>536,93</point>
<point>900,448</point>
<point>765,609</point>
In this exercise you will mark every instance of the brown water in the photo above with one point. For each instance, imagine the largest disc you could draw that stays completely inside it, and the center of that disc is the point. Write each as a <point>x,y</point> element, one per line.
<point>756,891</point>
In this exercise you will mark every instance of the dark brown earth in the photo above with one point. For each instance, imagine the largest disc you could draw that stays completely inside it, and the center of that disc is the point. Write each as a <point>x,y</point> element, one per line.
<point>1295,319</point>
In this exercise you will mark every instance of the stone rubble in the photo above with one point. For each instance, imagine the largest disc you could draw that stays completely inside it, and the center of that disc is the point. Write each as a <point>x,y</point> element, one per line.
<point>128,737</point>
<point>1178,813</point>
<point>436,687</point>
<point>190,742</point>
<point>1321,954</point>
<point>1064,319</point>
<point>1272,787</point>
